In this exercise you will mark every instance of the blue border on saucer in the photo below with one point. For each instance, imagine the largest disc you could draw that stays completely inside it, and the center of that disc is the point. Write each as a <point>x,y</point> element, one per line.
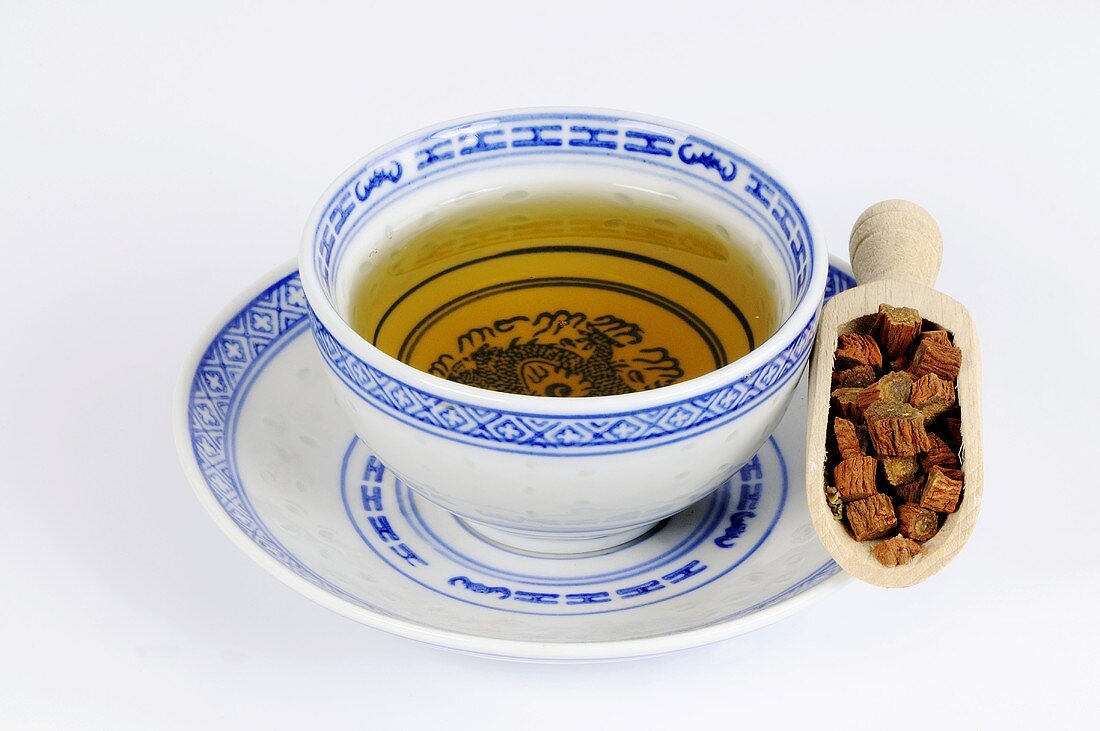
<point>650,567</point>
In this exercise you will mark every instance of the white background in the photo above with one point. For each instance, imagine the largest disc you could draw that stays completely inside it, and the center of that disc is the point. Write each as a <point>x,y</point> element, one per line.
<point>155,159</point>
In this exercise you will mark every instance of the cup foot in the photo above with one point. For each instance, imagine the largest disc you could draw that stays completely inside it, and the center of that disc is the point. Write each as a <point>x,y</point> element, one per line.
<point>558,544</point>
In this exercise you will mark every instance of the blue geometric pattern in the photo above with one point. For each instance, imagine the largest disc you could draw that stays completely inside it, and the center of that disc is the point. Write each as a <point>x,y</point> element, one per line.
<point>515,431</point>
<point>224,364</point>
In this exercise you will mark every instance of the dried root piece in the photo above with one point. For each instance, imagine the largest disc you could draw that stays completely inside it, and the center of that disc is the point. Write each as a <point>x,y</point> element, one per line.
<point>896,551</point>
<point>893,387</point>
<point>900,470</point>
<point>916,522</point>
<point>857,377</point>
<point>896,329</point>
<point>953,473</point>
<point>939,455</point>
<point>932,395</point>
<point>846,402</point>
<point>937,336</point>
<point>910,491</point>
<point>855,350</point>
<point>871,517</point>
<point>850,442</point>
<point>896,430</point>
<point>855,478</point>
<point>935,357</point>
<point>941,492</point>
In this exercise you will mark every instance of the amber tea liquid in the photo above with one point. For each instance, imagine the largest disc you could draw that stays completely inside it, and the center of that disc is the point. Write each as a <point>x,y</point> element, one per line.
<point>565,296</point>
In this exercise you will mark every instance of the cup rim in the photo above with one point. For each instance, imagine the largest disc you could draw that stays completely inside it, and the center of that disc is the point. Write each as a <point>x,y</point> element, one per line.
<point>804,310</point>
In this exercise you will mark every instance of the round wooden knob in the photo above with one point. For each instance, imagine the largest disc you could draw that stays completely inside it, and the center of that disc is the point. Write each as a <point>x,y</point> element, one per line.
<point>896,239</point>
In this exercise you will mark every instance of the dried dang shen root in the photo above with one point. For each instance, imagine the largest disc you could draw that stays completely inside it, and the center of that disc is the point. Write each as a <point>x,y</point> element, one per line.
<point>896,329</point>
<point>896,551</point>
<point>895,432</point>
<point>855,377</point>
<point>851,441</point>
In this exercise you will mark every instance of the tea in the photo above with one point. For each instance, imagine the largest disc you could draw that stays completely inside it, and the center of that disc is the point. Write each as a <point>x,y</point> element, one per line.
<point>565,296</point>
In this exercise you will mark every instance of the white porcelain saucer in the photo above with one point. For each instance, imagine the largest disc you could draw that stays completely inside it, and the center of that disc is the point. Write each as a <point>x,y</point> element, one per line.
<point>273,459</point>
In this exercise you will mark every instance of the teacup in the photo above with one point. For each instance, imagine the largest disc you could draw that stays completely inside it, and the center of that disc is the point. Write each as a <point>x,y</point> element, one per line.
<point>548,474</point>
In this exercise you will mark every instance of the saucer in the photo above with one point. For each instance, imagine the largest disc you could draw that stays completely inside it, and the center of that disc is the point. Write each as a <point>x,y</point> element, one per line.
<point>272,458</point>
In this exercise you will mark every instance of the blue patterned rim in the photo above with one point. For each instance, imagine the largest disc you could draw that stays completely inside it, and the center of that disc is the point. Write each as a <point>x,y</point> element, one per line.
<point>214,389</point>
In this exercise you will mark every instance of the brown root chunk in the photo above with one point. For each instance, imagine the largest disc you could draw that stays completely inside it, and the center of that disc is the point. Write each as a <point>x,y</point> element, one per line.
<point>856,377</point>
<point>846,401</point>
<point>941,493</point>
<point>910,491</point>
<point>896,329</point>
<point>935,357</point>
<point>900,470</point>
<point>893,387</point>
<point>855,350</point>
<point>932,395</point>
<point>855,478</point>
<point>896,430</point>
<point>848,440</point>
<point>939,455</point>
<point>916,522</point>
<point>936,336</point>
<point>871,517</point>
<point>896,551</point>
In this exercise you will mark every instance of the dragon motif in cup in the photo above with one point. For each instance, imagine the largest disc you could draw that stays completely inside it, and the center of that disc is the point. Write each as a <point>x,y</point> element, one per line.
<point>559,354</point>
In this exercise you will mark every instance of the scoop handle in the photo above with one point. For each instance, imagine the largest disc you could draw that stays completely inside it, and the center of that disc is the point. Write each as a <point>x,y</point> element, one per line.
<point>896,239</point>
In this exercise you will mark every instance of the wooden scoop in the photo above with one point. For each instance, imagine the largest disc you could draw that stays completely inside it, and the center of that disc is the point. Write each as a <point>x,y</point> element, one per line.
<point>895,251</point>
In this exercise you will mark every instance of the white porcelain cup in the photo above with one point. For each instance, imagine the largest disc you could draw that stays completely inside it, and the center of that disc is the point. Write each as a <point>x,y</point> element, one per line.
<point>562,474</point>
